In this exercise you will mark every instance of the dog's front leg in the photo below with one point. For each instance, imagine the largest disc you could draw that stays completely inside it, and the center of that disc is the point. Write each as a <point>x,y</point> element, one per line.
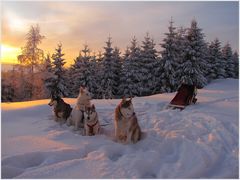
<point>77,122</point>
<point>129,137</point>
<point>69,121</point>
<point>56,118</point>
<point>62,121</point>
<point>86,129</point>
<point>117,132</point>
<point>76,125</point>
<point>87,133</point>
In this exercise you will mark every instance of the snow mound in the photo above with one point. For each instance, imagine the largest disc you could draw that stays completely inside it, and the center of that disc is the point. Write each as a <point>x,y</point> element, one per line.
<point>198,142</point>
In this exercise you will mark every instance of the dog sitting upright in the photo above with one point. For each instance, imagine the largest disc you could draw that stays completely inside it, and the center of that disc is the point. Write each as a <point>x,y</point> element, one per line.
<point>91,123</point>
<point>77,116</point>
<point>127,129</point>
<point>61,109</point>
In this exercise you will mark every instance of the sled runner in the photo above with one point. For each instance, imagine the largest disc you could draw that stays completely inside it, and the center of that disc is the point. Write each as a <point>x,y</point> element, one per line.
<point>185,96</point>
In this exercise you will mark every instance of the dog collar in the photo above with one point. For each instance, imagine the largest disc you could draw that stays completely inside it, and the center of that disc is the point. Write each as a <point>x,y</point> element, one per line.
<point>91,126</point>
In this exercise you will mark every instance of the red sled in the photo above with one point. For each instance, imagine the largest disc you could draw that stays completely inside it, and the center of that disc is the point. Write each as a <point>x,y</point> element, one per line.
<point>185,96</point>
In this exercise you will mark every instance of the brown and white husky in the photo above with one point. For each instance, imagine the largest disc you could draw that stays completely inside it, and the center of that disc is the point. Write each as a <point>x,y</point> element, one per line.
<point>77,116</point>
<point>127,129</point>
<point>91,122</point>
<point>61,109</point>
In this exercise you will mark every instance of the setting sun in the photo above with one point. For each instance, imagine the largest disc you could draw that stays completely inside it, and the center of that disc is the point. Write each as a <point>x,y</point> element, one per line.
<point>9,54</point>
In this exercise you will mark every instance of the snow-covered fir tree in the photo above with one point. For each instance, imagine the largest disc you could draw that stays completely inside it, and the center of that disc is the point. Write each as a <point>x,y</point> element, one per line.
<point>169,61</point>
<point>59,87</point>
<point>72,92</point>
<point>98,75</point>
<point>215,60</point>
<point>236,65</point>
<point>48,76</point>
<point>80,70</point>
<point>118,68</point>
<point>147,62</point>
<point>94,81</point>
<point>86,57</point>
<point>194,61</point>
<point>227,55</point>
<point>130,71</point>
<point>126,53</point>
<point>181,43</point>
<point>109,76</point>
<point>75,72</point>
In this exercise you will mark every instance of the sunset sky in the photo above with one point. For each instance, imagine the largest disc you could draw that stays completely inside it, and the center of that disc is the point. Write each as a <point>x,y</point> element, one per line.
<point>76,23</point>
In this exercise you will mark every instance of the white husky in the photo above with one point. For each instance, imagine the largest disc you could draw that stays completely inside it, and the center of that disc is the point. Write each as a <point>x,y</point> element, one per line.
<point>127,129</point>
<point>91,122</point>
<point>77,114</point>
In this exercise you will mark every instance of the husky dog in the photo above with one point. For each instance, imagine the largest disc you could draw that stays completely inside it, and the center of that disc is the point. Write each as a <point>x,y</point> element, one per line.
<point>91,123</point>
<point>127,129</point>
<point>77,116</point>
<point>61,109</point>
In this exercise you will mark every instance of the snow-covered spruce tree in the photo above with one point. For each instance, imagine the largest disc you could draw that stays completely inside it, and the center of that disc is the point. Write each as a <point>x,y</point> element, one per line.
<point>80,69</point>
<point>86,74</point>
<point>227,55</point>
<point>48,76</point>
<point>117,68</point>
<point>125,79</point>
<point>98,75</point>
<point>181,43</point>
<point>236,65</point>
<point>147,64</point>
<point>72,93</point>
<point>215,60</point>
<point>130,70</point>
<point>169,60</point>
<point>109,76</point>
<point>75,72</point>
<point>126,53</point>
<point>194,62</point>
<point>59,79</point>
<point>94,77</point>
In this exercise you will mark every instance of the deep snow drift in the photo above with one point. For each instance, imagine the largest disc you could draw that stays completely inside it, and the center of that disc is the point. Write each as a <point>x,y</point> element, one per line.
<point>198,142</point>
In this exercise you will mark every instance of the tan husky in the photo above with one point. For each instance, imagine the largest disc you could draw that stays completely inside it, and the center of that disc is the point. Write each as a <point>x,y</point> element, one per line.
<point>127,129</point>
<point>77,116</point>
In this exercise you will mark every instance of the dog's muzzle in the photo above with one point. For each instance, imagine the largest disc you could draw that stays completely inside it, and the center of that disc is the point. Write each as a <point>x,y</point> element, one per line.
<point>50,103</point>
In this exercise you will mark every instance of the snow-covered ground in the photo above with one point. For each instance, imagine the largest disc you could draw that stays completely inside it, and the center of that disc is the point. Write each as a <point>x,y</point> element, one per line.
<point>198,142</point>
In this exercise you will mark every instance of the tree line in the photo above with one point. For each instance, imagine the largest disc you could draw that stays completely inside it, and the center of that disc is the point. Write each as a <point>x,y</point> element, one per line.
<point>185,57</point>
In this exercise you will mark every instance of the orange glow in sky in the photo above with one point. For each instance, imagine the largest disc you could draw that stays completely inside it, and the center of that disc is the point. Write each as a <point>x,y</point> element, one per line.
<point>77,23</point>
<point>9,54</point>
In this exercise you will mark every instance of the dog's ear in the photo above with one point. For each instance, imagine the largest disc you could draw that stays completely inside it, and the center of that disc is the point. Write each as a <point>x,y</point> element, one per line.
<point>130,100</point>
<point>93,107</point>
<point>123,99</point>
<point>81,90</point>
<point>52,94</point>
